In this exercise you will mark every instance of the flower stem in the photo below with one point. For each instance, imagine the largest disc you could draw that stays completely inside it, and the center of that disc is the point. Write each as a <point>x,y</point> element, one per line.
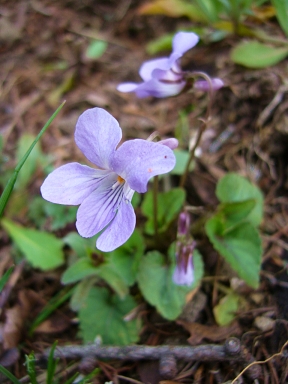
<point>203,125</point>
<point>155,205</point>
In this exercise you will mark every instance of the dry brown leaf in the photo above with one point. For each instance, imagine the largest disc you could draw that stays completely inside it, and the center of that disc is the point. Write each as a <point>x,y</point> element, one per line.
<point>199,332</point>
<point>15,319</point>
<point>55,324</point>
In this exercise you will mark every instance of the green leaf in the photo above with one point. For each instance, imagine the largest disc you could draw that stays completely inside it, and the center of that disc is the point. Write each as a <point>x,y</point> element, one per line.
<point>60,214</point>
<point>169,205</point>
<point>96,49</point>
<point>225,311</point>
<point>253,54</point>
<point>10,185</point>
<point>82,246</point>
<point>40,209</point>
<point>43,250</point>
<point>233,188</point>
<point>136,199</point>
<point>240,246</point>
<point>29,167</point>
<point>233,213</point>
<point>107,273</point>
<point>156,284</point>
<point>103,315</point>
<point>281,8</point>
<point>173,8</point>
<point>118,270</point>
<point>163,43</point>
<point>125,259</point>
<point>182,158</point>
<point>80,293</point>
<point>83,267</point>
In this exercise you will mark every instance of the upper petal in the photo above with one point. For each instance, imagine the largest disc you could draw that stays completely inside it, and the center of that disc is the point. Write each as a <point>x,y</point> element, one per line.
<point>183,41</point>
<point>100,207</point>
<point>138,160</point>
<point>71,183</point>
<point>97,135</point>
<point>119,230</point>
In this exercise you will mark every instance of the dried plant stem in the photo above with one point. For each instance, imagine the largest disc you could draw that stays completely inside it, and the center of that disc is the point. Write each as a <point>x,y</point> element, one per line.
<point>209,352</point>
<point>261,362</point>
<point>155,204</point>
<point>202,127</point>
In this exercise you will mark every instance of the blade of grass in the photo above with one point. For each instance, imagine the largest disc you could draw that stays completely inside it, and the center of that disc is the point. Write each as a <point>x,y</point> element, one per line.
<point>52,363</point>
<point>9,375</point>
<point>5,278</point>
<point>54,303</point>
<point>72,379</point>
<point>96,371</point>
<point>10,185</point>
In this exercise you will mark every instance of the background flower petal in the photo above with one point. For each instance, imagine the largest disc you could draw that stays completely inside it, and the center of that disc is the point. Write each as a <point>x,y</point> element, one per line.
<point>149,66</point>
<point>97,135</point>
<point>127,87</point>
<point>203,85</point>
<point>183,41</point>
<point>71,183</point>
<point>172,143</point>
<point>136,161</point>
<point>159,89</point>
<point>120,229</point>
<point>99,208</point>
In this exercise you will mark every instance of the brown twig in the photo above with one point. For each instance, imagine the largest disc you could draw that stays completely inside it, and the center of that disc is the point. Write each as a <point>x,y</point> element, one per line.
<point>231,350</point>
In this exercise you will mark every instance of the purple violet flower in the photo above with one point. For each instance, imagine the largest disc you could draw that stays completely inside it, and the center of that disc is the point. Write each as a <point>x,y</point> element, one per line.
<point>105,194</point>
<point>163,77</point>
<point>184,270</point>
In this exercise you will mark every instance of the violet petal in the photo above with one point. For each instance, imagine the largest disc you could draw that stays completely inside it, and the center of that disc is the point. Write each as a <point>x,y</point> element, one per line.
<point>97,135</point>
<point>171,143</point>
<point>71,183</point>
<point>203,85</point>
<point>98,209</point>
<point>159,89</point>
<point>183,41</point>
<point>136,161</point>
<point>149,66</point>
<point>119,230</point>
<point>127,87</point>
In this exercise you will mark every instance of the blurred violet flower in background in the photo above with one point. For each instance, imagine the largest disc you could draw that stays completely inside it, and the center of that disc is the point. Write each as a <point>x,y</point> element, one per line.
<point>163,77</point>
<point>185,245</point>
<point>105,194</point>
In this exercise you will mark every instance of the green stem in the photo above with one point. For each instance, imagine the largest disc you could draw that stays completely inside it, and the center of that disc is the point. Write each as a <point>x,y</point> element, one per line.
<point>202,127</point>
<point>155,204</point>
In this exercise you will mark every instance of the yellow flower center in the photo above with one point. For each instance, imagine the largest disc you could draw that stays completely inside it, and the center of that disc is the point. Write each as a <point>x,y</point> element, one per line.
<point>120,179</point>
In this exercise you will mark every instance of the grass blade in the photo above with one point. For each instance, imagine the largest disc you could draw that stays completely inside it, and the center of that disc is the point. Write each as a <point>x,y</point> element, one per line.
<point>52,363</point>
<point>54,303</point>
<point>5,278</point>
<point>9,186</point>
<point>9,375</point>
